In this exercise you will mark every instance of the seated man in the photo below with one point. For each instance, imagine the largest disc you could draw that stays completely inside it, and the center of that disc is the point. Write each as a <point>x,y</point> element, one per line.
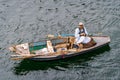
<point>82,40</point>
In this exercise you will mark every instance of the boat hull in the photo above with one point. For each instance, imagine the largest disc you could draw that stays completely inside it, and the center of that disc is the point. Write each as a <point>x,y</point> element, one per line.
<point>66,55</point>
<point>101,42</point>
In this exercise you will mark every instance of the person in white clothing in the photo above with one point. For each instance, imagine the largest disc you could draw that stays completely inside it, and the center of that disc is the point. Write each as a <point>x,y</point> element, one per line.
<point>81,35</point>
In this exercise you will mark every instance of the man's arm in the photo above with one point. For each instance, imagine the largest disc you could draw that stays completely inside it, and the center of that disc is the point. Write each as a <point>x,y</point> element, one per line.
<point>77,32</point>
<point>85,31</point>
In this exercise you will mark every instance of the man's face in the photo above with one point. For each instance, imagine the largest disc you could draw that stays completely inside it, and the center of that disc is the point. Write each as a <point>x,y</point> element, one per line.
<point>81,26</point>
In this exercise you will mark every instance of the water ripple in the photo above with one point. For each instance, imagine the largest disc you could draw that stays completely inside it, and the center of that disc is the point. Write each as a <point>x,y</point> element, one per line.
<point>26,21</point>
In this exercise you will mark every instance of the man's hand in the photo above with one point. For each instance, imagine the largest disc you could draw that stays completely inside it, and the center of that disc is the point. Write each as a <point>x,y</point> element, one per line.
<point>82,34</point>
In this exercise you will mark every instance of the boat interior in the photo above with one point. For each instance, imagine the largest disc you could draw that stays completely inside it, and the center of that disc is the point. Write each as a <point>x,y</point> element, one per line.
<point>50,46</point>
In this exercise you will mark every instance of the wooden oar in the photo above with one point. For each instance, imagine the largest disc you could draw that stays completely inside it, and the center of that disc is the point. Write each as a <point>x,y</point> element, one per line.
<point>20,57</point>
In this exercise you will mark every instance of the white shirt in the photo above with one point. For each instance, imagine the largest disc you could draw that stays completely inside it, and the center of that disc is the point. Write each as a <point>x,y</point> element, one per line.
<point>81,39</point>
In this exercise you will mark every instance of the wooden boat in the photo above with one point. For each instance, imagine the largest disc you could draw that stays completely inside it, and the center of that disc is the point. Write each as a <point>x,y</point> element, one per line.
<point>37,50</point>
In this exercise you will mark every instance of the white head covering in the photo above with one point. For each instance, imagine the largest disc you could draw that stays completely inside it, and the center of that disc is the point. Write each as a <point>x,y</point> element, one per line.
<point>80,23</point>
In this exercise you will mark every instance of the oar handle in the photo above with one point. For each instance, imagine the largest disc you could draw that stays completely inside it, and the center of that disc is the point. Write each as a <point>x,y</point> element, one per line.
<point>20,57</point>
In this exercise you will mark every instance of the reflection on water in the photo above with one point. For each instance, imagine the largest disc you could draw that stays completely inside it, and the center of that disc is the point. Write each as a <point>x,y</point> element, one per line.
<point>26,66</point>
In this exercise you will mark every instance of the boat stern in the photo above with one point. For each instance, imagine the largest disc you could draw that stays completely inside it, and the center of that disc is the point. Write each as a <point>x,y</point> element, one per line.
<point>20,49</point>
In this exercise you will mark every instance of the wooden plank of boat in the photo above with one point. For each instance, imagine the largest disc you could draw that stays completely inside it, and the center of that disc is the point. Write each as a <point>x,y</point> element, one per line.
<point>100,40</point>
